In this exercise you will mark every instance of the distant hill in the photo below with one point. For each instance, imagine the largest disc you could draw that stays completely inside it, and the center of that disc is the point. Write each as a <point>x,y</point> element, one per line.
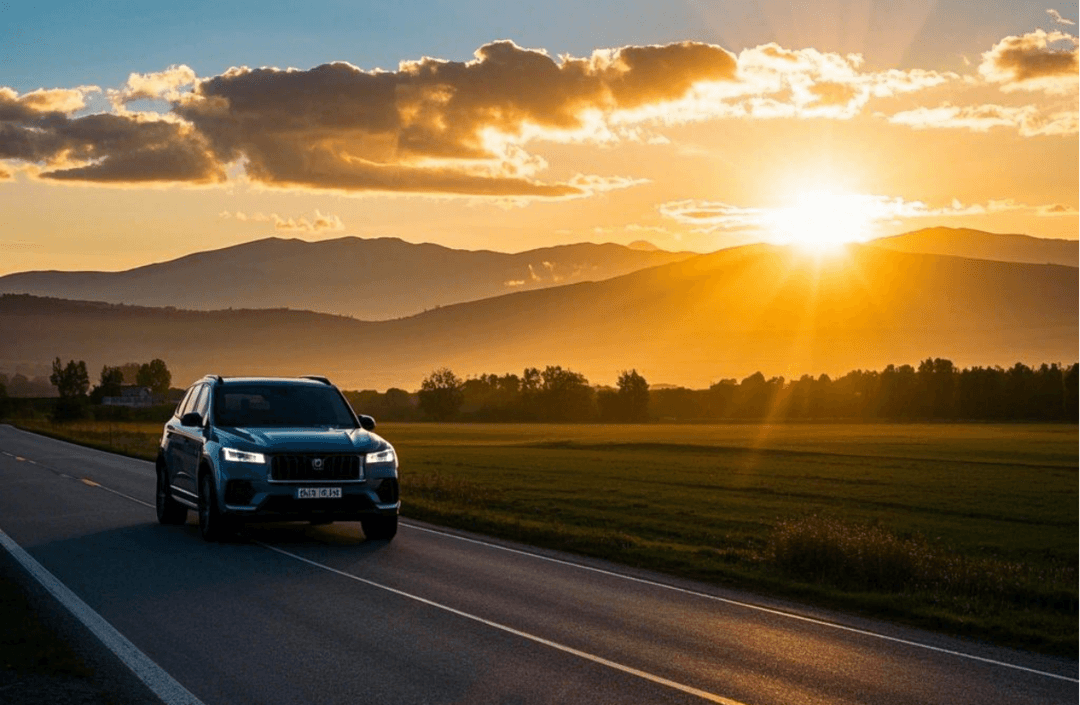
<point>727,314</point>
<point>962,242</point>
<point>370,279</point>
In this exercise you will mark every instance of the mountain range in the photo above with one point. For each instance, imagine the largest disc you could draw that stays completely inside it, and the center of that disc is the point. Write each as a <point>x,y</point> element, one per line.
<point>964,242</point>
<point>370,279</point>
<point>691,322</point>
<point>385,278</point>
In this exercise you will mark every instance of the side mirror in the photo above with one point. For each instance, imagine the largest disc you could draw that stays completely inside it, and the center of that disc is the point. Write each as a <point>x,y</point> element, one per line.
<point>191,418</point>
<point>367,423</point>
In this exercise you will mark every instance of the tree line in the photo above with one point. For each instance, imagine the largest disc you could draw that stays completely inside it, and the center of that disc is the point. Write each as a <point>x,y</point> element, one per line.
<point>71,383</point>
<point>936,390</point>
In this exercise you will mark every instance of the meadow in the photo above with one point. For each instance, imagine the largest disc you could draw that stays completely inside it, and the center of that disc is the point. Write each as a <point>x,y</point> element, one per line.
<point>969,529</point>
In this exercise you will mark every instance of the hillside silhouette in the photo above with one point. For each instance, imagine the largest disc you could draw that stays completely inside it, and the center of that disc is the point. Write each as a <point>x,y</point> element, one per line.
<point>727,314</point>
<point>371,279</point>
<point>964,242</point>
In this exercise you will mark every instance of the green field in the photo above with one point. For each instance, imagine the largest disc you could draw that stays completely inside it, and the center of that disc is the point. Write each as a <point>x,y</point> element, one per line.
<point>968,528</point>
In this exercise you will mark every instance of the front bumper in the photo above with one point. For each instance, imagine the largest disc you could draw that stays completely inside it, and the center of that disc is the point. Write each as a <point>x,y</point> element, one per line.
<point>248,495</point>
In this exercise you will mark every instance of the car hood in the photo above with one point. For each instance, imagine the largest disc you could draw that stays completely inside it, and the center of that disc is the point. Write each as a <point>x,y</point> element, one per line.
<point>297,440</point>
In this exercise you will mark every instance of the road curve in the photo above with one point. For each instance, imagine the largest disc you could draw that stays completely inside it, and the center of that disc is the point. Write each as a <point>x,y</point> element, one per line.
<point>297,614</point>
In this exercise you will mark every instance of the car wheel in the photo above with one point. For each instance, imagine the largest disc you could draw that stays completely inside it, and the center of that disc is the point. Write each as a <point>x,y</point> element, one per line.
<point>212,525</point>
<point>379,528</point>
<point>169,511</point>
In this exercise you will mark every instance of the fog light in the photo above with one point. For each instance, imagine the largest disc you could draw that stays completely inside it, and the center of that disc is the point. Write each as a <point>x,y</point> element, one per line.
<point>238,492</point>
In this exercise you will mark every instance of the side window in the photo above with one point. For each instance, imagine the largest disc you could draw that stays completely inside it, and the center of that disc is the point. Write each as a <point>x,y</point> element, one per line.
<point>185,403</point>
<point>203,401</point>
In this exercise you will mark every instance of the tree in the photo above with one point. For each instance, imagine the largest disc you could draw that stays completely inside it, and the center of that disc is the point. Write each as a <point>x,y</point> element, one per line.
<point>629,403</point>
<point>634,394</point>
<point>112,379</point>
<point>156,376</point>
<point>441,394</point>
<point>564,395</point>
<point>71,382</point>
<point>937,388</point>
<point>1072,377</point>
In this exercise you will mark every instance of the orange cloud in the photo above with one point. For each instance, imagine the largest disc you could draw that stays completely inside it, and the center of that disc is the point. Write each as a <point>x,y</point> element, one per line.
<point>1056,209</point>
<point>317,223</point>
<point>150,86</point>
<point>713,217</point>
<point>1028,120</point>
<point>1029,62</point>
<point>42,101</point>
<point>775,82</point>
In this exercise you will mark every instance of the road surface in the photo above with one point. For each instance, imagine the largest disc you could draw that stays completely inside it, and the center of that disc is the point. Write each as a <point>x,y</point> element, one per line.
<point>292,613</point>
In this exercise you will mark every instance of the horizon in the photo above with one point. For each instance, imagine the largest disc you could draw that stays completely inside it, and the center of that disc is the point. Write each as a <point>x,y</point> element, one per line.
<point>629,245</point>
<point>692,128</point>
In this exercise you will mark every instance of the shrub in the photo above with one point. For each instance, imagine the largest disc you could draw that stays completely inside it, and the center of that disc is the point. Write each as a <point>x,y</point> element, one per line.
<point>868,557</point>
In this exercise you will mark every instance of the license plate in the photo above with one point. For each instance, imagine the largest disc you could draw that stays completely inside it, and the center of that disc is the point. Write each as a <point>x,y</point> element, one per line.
<point>318,492</point>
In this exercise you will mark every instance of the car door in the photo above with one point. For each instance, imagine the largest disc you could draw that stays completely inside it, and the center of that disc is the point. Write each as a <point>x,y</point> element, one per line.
<point>189,446</point>
<point>172,448</point>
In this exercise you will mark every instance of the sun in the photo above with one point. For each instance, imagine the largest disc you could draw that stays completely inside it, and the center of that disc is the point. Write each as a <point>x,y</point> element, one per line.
<point>822,221</point>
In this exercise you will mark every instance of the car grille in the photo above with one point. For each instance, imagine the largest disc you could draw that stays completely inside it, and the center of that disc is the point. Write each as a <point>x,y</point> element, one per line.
<point>301,467</point>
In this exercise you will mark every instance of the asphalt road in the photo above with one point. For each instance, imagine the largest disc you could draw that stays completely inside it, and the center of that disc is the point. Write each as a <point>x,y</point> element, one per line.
<point>297,614</point>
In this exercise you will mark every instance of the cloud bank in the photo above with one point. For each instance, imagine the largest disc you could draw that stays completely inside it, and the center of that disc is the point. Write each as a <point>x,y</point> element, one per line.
<point>453,128</point>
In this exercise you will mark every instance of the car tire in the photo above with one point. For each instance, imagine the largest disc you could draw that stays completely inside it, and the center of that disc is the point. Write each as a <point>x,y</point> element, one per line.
<point>379,528</point>
<point>212,525</point>
<point>169,511</point>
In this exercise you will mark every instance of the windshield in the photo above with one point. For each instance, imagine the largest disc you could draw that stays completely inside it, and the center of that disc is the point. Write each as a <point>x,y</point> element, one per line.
<point>293,405</point>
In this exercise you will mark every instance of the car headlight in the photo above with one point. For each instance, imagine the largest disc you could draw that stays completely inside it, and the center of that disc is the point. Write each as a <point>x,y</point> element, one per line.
<point>382,456</point>
<point>242,456</point>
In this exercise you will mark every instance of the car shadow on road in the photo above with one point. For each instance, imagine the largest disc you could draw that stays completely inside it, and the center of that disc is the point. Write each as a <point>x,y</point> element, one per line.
<point>344,534</point>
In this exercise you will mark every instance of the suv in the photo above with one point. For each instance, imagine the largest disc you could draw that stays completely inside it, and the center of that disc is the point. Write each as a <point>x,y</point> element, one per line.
<point>243,449</point>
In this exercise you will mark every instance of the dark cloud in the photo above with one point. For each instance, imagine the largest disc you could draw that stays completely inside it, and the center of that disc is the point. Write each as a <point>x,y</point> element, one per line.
<point>433,125</point>
<point>102,147</point>
<point>1031,62</point>
<point>1056,209</point>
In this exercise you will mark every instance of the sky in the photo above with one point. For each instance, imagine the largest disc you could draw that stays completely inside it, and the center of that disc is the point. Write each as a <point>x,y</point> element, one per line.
<point>133,133</point>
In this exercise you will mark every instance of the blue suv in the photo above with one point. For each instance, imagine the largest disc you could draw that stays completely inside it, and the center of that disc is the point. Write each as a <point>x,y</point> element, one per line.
<point>242,449</point>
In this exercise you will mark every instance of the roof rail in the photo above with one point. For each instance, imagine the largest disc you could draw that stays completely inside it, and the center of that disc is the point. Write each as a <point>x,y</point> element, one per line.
<point>317,378</point>
<point>216,378</point>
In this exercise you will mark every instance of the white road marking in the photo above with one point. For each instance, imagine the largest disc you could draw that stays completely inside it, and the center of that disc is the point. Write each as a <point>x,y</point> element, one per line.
<point>705,695</point>
<point>161,683</point>
<point>747,605</point>
<point>119,494</point>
